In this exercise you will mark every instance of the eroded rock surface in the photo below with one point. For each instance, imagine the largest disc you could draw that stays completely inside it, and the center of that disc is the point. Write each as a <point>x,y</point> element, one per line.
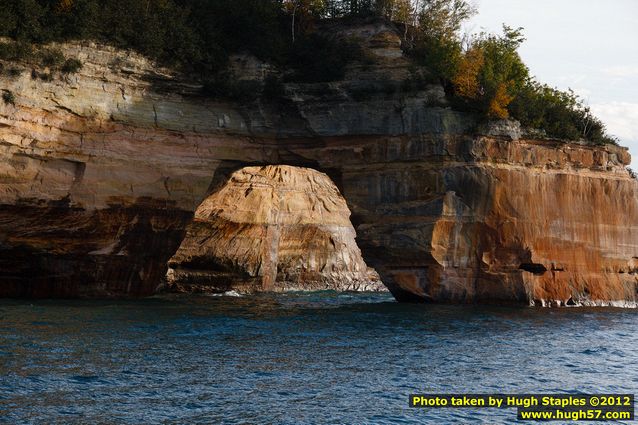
<point>101,172</point>
<point>279,228</point>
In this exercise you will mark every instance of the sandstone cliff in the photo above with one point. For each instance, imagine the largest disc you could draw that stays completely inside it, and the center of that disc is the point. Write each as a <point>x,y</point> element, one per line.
<point>102,170</point>
<point>276,228</point>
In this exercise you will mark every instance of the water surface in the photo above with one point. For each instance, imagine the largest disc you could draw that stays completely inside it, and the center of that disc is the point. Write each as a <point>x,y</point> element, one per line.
<point>296,358</point>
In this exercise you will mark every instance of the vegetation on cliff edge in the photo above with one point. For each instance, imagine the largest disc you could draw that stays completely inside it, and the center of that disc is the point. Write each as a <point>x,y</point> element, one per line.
<point>484,74</point>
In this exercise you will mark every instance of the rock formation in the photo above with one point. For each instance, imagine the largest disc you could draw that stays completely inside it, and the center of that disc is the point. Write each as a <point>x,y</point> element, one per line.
<point>102,170</point>
<point>278,228</point>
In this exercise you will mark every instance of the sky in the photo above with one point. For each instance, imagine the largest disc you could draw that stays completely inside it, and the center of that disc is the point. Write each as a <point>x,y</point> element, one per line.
<point>590,46</point>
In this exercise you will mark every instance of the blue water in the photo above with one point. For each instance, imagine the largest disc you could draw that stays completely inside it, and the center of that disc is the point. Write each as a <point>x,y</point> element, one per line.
<point>296,359</point>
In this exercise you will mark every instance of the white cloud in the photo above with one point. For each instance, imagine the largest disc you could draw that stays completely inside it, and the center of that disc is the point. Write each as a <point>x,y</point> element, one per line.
<point>571,80</point>
<point>621,71</point>
<point>582,92</point>
<point>621,118</point>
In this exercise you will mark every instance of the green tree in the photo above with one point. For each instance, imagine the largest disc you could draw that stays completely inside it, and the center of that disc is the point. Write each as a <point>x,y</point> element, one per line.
<point>436,40</point>
<point>503,73</point>
<point>490,72</point>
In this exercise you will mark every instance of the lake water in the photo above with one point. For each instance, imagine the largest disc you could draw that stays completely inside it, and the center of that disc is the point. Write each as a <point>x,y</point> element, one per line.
<point>296,358</point>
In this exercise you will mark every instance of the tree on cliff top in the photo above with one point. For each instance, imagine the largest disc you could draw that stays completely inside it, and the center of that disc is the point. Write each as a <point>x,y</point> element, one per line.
<point>490,73</point>
<point>437,40</point>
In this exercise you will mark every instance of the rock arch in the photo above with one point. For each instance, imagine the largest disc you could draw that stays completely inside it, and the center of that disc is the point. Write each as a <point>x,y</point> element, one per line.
<point>100,174</point>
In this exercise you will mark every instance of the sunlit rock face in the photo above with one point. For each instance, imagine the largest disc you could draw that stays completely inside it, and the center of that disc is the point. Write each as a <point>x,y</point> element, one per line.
<point>101,173</point>
<point>272,228</point>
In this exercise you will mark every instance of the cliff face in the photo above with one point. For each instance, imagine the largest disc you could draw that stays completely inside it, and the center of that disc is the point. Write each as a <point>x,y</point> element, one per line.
<point>272,228</point>
<point>101,172</point>
<point>523,221</point>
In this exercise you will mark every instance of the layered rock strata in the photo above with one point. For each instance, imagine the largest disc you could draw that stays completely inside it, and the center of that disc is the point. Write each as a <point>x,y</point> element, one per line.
<point>101,172</point>
<point>278,227</point>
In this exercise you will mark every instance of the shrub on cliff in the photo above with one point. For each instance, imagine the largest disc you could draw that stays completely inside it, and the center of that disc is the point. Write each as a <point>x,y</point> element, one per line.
<point>50,58</point>
<point>15,51</point>
<point>71,66</point>
<point>561,114</point>
<point>8,97</point>
<point>37,57</point>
